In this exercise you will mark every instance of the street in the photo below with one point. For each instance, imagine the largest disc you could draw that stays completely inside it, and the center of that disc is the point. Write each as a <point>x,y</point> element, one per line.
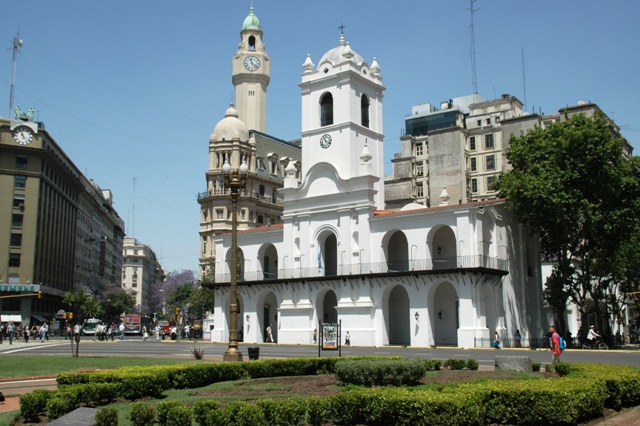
<point>134,346</point>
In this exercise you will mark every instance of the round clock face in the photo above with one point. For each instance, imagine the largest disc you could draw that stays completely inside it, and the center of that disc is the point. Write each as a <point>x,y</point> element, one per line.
<point>325,141</point>
<point>252,63</point>
<point>23,135</point>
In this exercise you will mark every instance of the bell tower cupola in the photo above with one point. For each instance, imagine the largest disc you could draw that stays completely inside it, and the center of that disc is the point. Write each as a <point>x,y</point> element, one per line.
<point>251,75</point>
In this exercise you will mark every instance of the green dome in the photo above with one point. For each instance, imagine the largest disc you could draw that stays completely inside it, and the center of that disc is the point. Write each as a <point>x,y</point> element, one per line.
<point>251,22</point>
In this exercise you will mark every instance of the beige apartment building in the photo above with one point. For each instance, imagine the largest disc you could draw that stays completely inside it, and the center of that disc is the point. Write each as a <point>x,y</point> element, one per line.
<point>58,229</point>
<point>141,271</point>
<point>455,153</point>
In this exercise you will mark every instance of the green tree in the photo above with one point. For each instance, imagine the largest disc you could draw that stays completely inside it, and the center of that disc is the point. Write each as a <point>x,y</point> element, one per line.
<point>563,185</point>
<point>117,301</point>
<point>84,306</point>
<point>203,300</point>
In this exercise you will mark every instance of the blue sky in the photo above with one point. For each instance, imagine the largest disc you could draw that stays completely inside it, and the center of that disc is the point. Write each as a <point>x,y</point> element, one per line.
<point>132,89</point>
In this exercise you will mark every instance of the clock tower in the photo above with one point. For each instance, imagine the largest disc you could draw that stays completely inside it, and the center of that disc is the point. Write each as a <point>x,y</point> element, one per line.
<point>251,75</point>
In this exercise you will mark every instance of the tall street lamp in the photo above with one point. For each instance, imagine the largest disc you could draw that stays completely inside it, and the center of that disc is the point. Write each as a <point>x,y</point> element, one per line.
<point>235,179</point>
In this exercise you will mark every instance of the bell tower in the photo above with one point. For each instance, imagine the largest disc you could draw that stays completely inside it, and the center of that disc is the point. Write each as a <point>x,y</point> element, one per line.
<point>251,75</point>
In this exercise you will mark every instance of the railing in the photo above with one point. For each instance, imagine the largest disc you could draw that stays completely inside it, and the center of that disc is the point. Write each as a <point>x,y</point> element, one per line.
<point>533,343</point>
<point>451,263</point>
<point>264,198</point>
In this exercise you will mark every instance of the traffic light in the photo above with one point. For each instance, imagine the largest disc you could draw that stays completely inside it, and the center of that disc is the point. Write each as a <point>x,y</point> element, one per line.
<point>68,315</point>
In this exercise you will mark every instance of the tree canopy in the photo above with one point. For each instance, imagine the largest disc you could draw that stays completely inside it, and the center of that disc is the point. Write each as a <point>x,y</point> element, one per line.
<point>570,184</point>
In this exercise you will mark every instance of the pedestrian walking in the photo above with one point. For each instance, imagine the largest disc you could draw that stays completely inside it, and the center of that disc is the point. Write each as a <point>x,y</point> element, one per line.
<point>315,335</point>
<point>518,339</point>
<point>496,340</point>
<point>269,335</point>
<point>555,345</point>
<point>11,330</point>
<point>26,332</point>
<point>145,334</point>
<point>121,329</point>
<point>44,328</point>
<point>347,339</point>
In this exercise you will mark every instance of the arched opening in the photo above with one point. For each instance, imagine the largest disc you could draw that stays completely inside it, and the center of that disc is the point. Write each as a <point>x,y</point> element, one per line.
<point>270,263</point>
<point>364,110</point>
<point>269,317</point>
<point>326,109</point>
<point>443,249</point>
<point>252,43</point>
<point>446,320</point>
<point>327,312</point>
<point>239,265</point>
<point>240,322</point>
<point>398,253</point>
<point>398,318</point>
<point>331,255</point>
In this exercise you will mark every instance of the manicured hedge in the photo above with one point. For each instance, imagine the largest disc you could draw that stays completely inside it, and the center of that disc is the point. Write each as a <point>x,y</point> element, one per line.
<point>380,372</point>
<point>581,393</point>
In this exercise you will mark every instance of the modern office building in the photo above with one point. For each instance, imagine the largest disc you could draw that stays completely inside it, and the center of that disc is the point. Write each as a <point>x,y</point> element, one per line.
<point>141,272</point>
<point>58,230</point>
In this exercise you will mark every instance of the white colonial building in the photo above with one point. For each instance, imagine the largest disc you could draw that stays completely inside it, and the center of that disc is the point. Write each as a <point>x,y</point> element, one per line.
<point>446,275</point>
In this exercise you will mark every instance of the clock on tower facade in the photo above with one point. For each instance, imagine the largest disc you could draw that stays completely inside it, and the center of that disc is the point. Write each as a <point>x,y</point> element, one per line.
<point>251,75</point>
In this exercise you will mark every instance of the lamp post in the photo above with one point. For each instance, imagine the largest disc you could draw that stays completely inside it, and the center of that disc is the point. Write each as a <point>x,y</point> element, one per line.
<point>235,179</point>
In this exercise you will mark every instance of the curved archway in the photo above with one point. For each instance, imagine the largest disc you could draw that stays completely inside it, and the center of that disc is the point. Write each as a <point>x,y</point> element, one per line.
<point>240,264</point>
<point>326,109</point>
<point>240,315</point>
<point>397,252</point>
<point>268,257</point>
<point>328,253</point>
<point>364,110</point>
<point>397,318</point>
<point>267,313</point>
<point>443,248</point>
<point>446,319</point>
<point>326,306</point>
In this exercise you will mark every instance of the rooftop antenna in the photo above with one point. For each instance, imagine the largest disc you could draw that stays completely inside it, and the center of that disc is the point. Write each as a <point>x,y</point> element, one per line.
<point>17,44</point>
<point>133,214</point>
<point>472,48</point>
<point>524,83</point>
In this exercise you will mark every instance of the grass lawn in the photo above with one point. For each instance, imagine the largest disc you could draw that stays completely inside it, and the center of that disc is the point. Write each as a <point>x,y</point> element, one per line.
<point>44,365</point>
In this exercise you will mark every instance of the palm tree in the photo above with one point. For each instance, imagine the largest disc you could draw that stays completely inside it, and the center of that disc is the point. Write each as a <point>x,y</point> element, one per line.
<point>83,305</point>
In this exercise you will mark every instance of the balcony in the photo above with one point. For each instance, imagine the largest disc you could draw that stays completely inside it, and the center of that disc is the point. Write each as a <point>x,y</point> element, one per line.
<point>254,195</point>
<point>486,264</point>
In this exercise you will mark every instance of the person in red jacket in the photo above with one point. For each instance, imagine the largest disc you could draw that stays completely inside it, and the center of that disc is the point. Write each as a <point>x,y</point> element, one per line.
<point>555,345</point>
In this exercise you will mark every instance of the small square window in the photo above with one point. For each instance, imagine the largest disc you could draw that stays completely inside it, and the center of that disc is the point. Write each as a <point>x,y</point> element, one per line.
<point>16,220</point>
<point>18,201</point>
<point>419,150</point>
<point>488,121</point>
<point>472,143</point>
<point>479,123</point>
<point>20,181</point>
<point>490,181</point>
<point>219,214</point>
<point>474,165</point>
<point>14,260</point>
<point>497,119</point>
<point>491,162</point>
<point>16,240</point>
<point>488,141</point>
<point>21,161</point>
<point>419,170</point>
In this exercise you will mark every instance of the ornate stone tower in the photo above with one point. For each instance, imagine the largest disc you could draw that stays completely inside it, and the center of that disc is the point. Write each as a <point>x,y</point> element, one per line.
<point>251,75</point>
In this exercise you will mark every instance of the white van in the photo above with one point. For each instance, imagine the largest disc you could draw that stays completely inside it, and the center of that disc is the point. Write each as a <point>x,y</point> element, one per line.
<point>90,326</point>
